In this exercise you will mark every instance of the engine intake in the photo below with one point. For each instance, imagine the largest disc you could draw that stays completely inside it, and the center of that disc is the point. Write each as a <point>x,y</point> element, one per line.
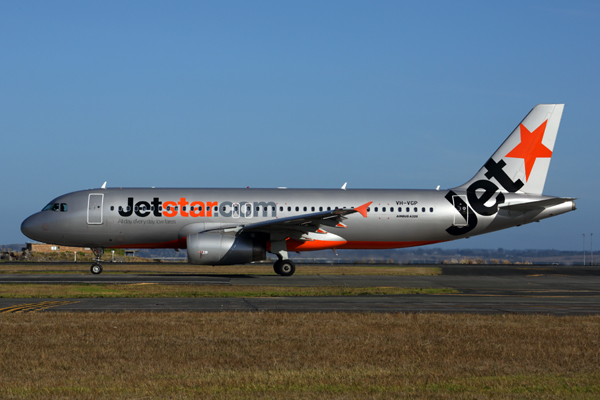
<point>216,249</point>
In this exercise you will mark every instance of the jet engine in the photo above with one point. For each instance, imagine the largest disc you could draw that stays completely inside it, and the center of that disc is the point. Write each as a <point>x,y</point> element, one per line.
<point>217,249</point>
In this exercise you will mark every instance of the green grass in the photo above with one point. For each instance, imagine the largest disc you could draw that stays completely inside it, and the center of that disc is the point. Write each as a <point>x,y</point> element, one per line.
<point>33,291</point>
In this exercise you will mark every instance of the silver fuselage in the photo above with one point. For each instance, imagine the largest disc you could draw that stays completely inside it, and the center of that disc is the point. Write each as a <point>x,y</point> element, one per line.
<point>396,218</point>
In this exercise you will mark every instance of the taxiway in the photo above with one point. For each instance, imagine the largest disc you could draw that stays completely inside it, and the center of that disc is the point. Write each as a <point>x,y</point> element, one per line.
<point>554,290</point>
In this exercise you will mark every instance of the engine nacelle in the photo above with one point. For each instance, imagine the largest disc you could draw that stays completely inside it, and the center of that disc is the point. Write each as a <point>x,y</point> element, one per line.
<point>216,249</point>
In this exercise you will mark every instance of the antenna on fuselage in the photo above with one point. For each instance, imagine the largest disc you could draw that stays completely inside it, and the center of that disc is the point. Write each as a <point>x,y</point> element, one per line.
<point>344,187</point>
<point>103,186</point>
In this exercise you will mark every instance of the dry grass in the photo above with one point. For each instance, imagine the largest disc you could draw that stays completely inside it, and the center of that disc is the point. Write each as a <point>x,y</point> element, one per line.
<point>250,269</point>
<point>299,355</point>
<point>68,257</point>
<point>33,291</point>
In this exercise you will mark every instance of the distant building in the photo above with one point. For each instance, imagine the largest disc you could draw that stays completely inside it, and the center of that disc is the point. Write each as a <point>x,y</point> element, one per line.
<point>51,248</point>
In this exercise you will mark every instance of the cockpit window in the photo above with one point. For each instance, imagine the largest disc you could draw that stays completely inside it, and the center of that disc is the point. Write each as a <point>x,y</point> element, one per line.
<point>56,207</point>
<point>51,207</point>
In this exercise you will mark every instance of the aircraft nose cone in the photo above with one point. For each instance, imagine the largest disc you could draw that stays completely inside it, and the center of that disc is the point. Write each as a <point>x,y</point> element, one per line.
<point>31,227</point>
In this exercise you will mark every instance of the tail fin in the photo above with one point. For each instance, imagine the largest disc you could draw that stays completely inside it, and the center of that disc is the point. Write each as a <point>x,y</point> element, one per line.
<point>521,163</point>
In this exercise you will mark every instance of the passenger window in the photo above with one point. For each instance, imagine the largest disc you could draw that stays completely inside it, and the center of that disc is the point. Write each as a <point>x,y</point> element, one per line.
<point>376,209</point>
<point>280,208</point>
<point>199,208</point>
<point>423,209</point>
<point>216,208</point>
<point>320,208</point>
<point>312,209</point>
<point>416,209</point>
<point>304,208</point>
<point>176,208</point>
<point>289,208</point>
<point>383,209</point>
<point>328,208</point>
<point>112,208</point>
<point>137,208</point>
<point>431,209</point>
<point>120,208</point>
<point>297,208</point>
<point>368,209</point>
<point>407,209</point>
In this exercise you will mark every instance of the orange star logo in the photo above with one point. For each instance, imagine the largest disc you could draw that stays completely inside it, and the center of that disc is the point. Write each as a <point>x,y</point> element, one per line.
<point>531,147</point>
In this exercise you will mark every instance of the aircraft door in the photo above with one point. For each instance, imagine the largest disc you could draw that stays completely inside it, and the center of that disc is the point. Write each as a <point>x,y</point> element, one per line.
<point>461,217</point>
<point>94,213</point>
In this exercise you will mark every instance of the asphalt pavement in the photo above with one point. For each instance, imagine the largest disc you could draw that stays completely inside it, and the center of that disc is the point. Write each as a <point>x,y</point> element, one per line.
<point>556,290</point>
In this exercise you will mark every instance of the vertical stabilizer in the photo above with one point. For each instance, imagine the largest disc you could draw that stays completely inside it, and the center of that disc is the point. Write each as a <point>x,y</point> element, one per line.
<point>522,161</point>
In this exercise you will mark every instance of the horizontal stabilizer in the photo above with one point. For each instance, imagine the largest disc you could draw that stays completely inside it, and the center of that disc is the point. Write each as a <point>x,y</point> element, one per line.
<point>536,205</point>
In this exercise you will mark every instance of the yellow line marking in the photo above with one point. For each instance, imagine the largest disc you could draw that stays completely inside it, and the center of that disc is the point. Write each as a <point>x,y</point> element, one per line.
<point>33,307</point>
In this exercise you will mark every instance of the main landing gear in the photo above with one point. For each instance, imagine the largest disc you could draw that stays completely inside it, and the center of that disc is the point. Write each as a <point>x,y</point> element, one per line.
<point>97,267</point>
<point>284,267</point>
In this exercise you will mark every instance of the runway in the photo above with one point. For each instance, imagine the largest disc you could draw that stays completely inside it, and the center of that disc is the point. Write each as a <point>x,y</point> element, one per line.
<point>556,290</point>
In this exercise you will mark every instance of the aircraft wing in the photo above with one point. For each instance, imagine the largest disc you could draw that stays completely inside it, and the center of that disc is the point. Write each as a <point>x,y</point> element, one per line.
<point>306,222</point>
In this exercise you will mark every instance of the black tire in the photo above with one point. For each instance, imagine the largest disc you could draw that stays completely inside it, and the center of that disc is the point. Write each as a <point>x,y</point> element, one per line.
<point>287,268</point>
<point>96,269</point>
<point>277,267</point>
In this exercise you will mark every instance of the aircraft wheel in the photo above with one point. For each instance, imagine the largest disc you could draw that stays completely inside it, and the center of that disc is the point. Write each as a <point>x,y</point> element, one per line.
<point>287,268</point>
<point>277,267</point>
<point>96,269</point>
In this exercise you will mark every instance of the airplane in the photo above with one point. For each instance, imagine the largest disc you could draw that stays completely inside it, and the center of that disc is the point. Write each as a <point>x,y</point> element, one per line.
<point>239,226</point>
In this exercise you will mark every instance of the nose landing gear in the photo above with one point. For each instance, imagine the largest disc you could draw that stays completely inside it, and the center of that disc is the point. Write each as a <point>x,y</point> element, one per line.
<point>97,267</point>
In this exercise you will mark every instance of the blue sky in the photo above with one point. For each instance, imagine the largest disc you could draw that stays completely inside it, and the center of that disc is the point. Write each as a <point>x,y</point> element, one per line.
<point>305,94</point>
